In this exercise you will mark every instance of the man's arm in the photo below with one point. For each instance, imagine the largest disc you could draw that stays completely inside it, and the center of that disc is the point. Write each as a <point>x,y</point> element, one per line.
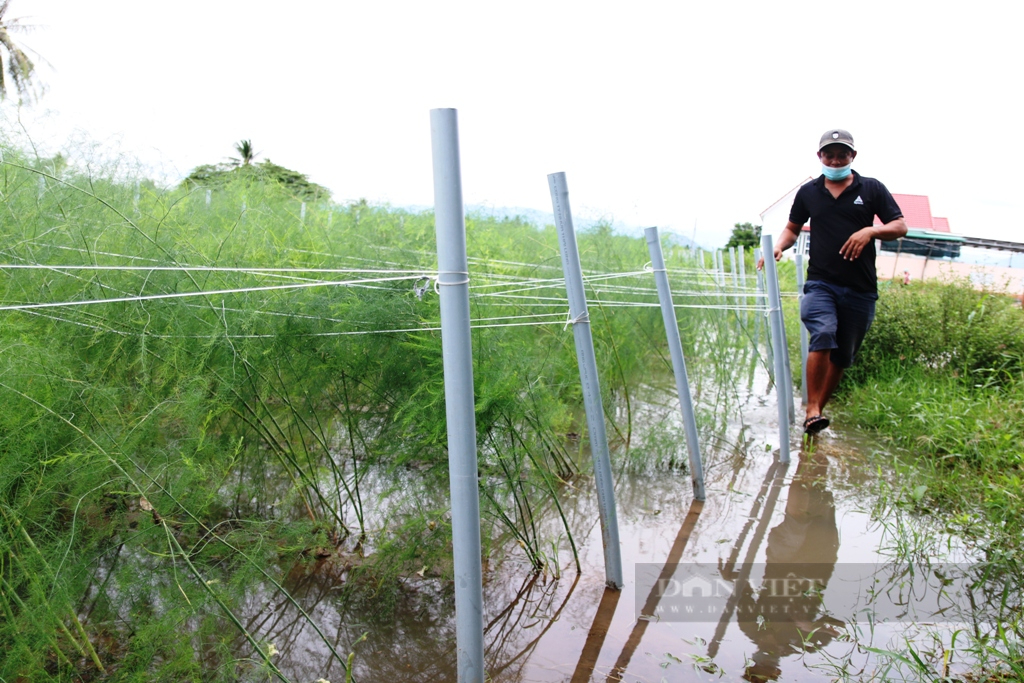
<point>787,239</point>
<point>892,230</point>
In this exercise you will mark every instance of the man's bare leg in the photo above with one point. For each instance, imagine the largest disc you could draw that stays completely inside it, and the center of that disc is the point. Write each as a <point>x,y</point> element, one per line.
<point>832,377</point>
<point>822,379</point>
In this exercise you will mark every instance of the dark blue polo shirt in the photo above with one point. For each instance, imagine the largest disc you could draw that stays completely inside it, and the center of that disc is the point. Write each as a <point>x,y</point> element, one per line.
<point>833,220</point>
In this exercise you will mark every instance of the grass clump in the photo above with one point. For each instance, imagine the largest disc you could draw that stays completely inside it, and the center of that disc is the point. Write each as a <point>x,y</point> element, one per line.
<point>941,375</point>
<point>941,378</point>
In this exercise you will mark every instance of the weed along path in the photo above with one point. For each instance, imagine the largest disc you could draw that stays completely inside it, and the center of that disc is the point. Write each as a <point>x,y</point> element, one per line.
<point>786,573</point>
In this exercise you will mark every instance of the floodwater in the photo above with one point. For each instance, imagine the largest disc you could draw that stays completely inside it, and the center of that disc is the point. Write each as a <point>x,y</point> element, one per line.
<point>701,598</point>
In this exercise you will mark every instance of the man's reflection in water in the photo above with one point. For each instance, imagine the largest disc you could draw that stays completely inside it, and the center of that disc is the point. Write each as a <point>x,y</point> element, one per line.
<point>786,615</point>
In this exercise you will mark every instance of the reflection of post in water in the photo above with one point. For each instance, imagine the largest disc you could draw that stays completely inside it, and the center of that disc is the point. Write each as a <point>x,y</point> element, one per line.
<point>419,640</point>
<point>596,635</point>
<point>785,615</point>
<point>651,604</point>
<point>769,492</point>
<point>504,649</point>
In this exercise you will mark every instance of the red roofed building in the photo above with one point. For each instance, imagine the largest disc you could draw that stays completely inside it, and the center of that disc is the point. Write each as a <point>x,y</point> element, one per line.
<point>917,212</point>
<point>928,251</point>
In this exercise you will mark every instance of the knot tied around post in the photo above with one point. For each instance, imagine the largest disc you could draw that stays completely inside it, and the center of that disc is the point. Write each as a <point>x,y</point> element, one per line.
<point>438,283</point>
<point>583,317</point>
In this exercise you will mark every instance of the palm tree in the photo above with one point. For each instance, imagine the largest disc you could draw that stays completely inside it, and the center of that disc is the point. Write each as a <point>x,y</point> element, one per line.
<point>245,152</point>
<point>18,66</point>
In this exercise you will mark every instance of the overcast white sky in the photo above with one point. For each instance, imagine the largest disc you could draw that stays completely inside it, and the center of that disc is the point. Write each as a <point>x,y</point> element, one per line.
<point>673,114</point>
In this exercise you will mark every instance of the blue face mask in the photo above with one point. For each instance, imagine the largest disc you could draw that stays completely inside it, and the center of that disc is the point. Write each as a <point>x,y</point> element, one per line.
<point>835,173</point>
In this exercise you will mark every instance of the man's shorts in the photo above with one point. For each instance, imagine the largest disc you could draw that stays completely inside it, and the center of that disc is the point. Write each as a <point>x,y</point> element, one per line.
<point>836,318</point>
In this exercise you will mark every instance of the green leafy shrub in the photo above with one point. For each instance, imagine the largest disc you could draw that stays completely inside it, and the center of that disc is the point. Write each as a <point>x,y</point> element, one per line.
<point>945,326</point>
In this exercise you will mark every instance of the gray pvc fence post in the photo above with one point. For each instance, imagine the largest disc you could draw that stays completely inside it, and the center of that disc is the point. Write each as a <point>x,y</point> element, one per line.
<point>743,280</point>
<point>790,401</point>
<point>675,348</point>
<point>457,357</point>
<point>762,298</point>
<point>209,198</point>
<point>803,330</point>
<point>579,317</point>
<point>302,213</point>
<point>734,299</point>
<point>775,317</point>
<point>783,347</point>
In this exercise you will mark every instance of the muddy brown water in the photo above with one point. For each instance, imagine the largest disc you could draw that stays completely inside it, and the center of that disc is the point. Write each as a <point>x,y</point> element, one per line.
<point>807,526</point>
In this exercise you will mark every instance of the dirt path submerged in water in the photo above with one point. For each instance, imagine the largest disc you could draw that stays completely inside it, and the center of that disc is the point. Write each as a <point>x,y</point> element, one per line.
<point>783,573</point>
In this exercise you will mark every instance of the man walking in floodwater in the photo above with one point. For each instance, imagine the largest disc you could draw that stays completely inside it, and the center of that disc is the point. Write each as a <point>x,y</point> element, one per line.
<point>842,286</point>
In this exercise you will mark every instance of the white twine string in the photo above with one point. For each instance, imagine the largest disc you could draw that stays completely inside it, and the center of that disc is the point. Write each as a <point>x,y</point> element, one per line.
<point>181,295</point>
<point>508,286</point>
<point>211,269</point>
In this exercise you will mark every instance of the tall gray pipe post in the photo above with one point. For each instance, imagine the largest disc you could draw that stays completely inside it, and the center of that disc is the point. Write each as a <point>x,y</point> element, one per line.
<point>735,299</point>
<point>757,301</point>
<point>762,298</point>
<point>783,347</point>
<point>784,381</point>
<point>788,377</point>
<point>675,348</point>
<point>457,357</point>
<point>742,258</point>
<point>580,319</point>
<point>803,330</point>
<point>771,278</point>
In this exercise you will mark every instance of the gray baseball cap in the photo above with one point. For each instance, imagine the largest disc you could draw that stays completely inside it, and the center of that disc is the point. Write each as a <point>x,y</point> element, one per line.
<point>834,136</point>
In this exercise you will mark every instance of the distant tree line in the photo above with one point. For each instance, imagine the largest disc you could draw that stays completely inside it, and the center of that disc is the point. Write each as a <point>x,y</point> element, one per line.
<point>746,235</point>
<point>244,167</point>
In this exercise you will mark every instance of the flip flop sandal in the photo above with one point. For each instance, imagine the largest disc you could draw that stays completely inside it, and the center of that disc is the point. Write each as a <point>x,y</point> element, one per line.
<point>813,425</point>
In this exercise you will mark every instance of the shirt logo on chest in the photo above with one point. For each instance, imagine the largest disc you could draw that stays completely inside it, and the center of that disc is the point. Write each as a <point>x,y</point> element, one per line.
<point>858,200</point>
